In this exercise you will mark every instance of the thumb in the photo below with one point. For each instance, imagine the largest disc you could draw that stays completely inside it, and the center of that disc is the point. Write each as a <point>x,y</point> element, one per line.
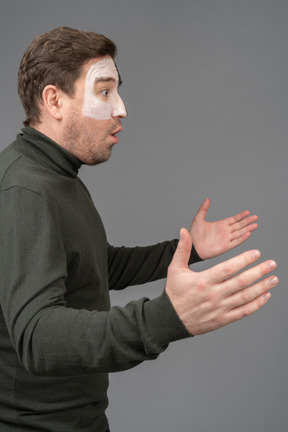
<point>203,209</point>
<point>182,254</point>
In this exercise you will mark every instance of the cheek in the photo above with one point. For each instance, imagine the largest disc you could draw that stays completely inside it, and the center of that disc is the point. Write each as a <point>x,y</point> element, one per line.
<point>95,108</point>
<point>98,129</point>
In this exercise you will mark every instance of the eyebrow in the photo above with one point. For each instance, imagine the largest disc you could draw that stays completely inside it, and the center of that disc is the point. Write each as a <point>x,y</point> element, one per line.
<point>108,79</point>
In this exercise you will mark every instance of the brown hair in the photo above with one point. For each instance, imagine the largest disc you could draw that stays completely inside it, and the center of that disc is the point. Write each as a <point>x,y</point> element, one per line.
<point>56,58</point>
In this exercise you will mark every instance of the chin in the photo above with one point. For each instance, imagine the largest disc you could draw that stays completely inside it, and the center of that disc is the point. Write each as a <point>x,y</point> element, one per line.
<point>97,160</point>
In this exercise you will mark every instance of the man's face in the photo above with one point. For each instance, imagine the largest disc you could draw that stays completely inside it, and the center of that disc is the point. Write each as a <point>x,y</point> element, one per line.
<point>92,116</point>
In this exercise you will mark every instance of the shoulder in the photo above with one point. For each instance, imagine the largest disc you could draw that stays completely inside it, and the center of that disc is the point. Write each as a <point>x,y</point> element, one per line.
<point>18,171</point>
<point>8,157</point>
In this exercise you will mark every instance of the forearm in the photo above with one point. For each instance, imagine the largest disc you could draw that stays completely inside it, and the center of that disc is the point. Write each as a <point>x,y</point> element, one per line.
<point>61,341</point>
<point>51,314</point>
<point>139,265</point>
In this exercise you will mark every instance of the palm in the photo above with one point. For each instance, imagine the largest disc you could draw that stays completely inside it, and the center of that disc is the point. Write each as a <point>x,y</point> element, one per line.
<point>211,239</point>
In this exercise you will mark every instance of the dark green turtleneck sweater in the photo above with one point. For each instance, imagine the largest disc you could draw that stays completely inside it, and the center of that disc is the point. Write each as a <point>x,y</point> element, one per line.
<point>59,337</point>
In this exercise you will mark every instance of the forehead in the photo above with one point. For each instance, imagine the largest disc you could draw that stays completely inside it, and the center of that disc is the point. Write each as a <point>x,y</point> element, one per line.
<point>103,67</point>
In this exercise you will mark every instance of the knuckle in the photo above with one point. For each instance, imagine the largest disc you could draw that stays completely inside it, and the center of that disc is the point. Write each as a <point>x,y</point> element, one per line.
<point>245,312</point>
<point>202,286</point>
<point>208,294</point>
<point>244,297</point>
<point>222,319</point>
<point>219,321</point>
<point>242,280</point>
<point>228,269</point>
<point>210,298</point>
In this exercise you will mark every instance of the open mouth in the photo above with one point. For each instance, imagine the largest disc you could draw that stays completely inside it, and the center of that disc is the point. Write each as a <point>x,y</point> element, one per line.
<point>116,131</point>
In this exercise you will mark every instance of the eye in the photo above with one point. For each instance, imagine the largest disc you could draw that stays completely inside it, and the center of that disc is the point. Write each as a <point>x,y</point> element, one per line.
<point>105,92</point>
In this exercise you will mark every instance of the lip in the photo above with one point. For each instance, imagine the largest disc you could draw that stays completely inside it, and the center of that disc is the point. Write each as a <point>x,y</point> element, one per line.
<point>117,131</point>
<point>114,138</point>
<point>113,135</point>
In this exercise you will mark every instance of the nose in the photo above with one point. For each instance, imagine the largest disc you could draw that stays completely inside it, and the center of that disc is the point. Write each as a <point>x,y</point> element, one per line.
<point>119,109</point>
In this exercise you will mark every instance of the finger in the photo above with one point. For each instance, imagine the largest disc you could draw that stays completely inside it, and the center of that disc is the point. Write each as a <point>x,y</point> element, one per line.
<point>248,277</point>
<point>238,241</point>
<point>252,292</point>
<point>238,217</point>
<point>244,222</point>
<point>241,232</point>
<point>182,254</point>
<point>247,309</point>
<point>229,268</point>
<point>203,209</point>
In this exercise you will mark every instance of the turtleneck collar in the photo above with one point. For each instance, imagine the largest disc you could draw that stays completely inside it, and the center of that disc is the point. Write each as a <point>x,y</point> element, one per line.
<point>38,147</point>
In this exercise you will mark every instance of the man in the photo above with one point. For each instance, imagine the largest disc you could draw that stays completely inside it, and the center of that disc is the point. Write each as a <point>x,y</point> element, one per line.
<point>59,338</point>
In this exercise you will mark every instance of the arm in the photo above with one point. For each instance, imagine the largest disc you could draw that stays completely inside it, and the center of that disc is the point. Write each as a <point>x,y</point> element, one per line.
<point>53,339</point>
<point>138,265</point>
<point>215,238</point>
<point>210,299</point>
<point>49,337</point>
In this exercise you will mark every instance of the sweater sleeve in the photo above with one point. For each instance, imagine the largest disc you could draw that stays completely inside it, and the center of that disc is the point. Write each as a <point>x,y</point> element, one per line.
<point>49,337</point>
<point>139,265</point>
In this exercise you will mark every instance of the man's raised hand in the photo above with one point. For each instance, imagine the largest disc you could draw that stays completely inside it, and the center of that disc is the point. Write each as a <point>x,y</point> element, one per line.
<point>211,239</point>
<point>213,298</point>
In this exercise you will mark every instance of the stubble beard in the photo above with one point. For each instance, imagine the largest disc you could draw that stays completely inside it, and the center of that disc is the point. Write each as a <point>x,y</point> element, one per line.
<point>83,144</point>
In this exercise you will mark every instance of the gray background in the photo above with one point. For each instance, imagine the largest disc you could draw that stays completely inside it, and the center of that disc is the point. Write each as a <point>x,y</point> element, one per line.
<point>205,85</point>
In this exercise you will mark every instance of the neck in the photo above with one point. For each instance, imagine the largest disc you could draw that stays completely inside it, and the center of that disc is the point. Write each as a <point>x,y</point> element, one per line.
<point>49,130</point>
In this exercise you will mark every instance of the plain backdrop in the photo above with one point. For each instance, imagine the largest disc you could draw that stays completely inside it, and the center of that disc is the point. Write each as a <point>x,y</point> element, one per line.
<point>205,85</point>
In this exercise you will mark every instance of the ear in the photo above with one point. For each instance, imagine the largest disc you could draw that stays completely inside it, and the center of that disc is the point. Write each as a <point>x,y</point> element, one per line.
<point>52,100</point>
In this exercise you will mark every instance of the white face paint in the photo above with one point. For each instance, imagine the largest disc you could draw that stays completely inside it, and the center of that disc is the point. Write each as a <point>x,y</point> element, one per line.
<point>101,98</point>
